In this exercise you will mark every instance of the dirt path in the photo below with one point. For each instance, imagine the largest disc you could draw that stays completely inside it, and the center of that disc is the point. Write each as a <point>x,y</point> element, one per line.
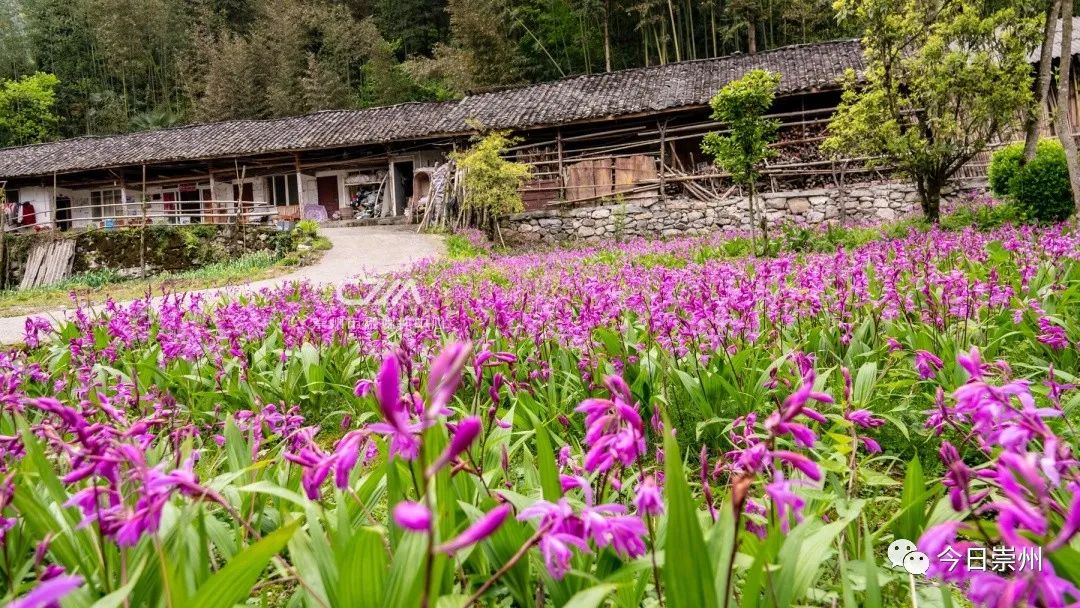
<point>357,251</point>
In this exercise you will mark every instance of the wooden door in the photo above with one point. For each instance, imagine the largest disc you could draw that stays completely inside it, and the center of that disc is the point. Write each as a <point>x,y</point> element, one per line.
<point>328,193</point>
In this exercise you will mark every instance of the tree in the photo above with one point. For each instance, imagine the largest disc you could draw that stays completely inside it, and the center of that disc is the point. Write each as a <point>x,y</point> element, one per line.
<point>942,80</point>
<point>26,110</point>
<point>482,29</point>
<point>1036,116</point>
<point>491,181</point>
<point>741,106</point>
<point>1062,118</point>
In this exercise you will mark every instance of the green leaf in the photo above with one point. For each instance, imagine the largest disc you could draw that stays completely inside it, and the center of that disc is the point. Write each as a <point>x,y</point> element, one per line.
<point>1066,562</point>
<point>362,570</point>
<point>912,502</point>
<point>233,583</point>
<point>545,462</point>
<point>117,598</point>
<point>688,575</point>
<point>873,590</point>
<point>591,597</point>
<point>404,584</point>
<point>864,383</point>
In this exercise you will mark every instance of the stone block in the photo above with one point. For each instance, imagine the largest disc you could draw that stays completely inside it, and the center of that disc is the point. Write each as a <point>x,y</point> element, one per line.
<point>798,205</point>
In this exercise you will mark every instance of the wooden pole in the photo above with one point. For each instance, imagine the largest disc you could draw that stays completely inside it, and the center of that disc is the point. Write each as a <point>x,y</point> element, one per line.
<point>662,128</point>
<point>52,213</point>
<point>299,186</point>
<point>562,178</point>
<point>142,228</point>
<point>3,233</point>
<point>123,198</point>
<point>213,197</point>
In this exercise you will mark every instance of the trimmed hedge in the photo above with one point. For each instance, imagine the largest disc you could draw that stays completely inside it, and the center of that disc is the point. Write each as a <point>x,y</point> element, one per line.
<point>1039,189</point>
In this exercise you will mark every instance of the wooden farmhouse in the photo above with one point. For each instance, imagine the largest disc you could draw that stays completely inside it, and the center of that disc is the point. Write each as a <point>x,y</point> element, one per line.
<point>630,133</point>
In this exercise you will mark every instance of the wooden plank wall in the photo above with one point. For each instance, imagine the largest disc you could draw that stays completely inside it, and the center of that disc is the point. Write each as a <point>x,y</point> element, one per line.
<point>49,262</point>
<point>603,177</point>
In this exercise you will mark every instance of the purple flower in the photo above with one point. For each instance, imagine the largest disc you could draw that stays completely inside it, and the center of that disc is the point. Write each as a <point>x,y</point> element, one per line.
<point>481,529</point>
<point>782,422</point>
<point>614,431</point>
<point>864,418</point>
<point>608,525</point>
<point>647,498</point>
<point>48,593</point>
<point>957,476</point>
<point>388,392</point>
<point>927,363</point>
<point>445,376</point>
<point>346,455</point>
<point>412,516</point>
<point>786,502</point>
<point>363,388</point>
<point>555,548</point>
<point>972,362</point>
<point>804,464</point>
<point>1052,335</point>
<point>466,432</point>
<point>402,435</point>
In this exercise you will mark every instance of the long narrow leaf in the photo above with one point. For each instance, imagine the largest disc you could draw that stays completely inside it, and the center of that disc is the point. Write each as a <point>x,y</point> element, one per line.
<point>234,581</point>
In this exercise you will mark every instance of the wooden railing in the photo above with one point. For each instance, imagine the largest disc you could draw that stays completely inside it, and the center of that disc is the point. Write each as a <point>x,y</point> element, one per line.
<point>96,216</point>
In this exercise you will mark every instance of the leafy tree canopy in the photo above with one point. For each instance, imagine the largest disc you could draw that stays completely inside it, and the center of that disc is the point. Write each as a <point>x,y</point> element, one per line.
<point>943,79</point>
<point>491,181</point>
<point>26,109</point>
<point>741,106</point>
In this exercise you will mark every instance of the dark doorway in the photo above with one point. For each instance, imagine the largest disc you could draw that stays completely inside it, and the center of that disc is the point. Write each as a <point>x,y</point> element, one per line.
<point>329,195</point>
<point>245,193</point>
<point>403,185</point>
<point>63,213</point>
<point>190,204</point>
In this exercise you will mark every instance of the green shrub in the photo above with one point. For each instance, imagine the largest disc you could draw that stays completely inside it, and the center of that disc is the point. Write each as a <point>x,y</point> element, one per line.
<point>667,260</point>
<point>459,247</point>
<point>307,229</point>
<point>1040,189</point>
<point>1003,167</point>
<point>97,278</point>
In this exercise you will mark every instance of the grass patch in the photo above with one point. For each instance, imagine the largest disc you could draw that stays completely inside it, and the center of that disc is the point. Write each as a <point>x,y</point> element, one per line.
<point>98,285</point>
<point>459,247</point>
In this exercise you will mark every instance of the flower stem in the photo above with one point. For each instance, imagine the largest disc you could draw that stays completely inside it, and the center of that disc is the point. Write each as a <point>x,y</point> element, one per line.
<point>655,569</point>
<point>522,552</point>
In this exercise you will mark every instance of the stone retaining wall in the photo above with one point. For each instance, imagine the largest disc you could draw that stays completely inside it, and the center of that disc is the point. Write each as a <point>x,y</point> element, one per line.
<point>681,216</point>
<point>168,248</point>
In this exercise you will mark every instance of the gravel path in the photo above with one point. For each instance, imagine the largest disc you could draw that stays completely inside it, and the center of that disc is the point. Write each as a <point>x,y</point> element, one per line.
<point>366,251</point>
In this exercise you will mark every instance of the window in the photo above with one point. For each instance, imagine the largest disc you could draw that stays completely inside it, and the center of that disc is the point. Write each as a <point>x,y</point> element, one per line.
<point>12,196</point>
<point>282,189</point>
<point>105,203</point>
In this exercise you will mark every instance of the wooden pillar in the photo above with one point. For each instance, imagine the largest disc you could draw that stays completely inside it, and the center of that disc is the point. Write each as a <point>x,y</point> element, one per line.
<point>123,203</point>
<point>214,205</point>
<point>142,228</point>
<point>3,234</point>
<point>562,178</point>
<point>662,128</point>
<point>52,211</point>
<point>299,186</point>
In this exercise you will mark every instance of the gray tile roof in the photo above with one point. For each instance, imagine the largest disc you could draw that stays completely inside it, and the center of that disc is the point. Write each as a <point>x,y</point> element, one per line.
<point>1033,56</point>
<point>572,99</point>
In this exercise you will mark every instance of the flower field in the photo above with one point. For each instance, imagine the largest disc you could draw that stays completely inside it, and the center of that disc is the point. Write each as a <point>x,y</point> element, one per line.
<point>644,424</point>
